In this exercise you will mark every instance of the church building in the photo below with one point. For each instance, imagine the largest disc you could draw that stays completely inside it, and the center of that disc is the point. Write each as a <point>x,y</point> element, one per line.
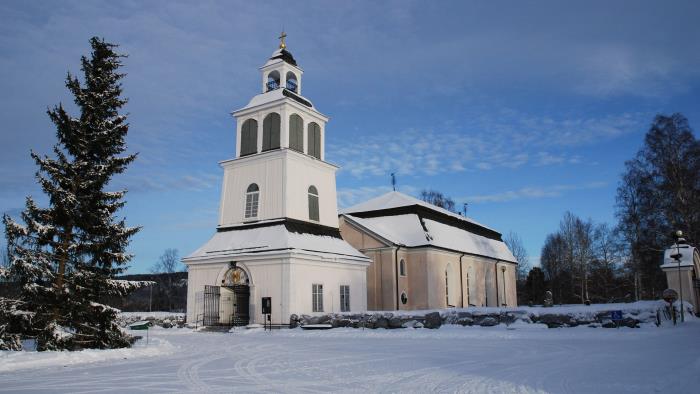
<point>277,233</point>
<point>426,257</point>
<point>278,249</point>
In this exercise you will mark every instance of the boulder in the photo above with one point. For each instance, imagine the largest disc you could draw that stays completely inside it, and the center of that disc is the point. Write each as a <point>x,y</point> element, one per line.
<point>381,322</point>
<point>487,321</point>
<point>409,324</point>
<point>465,321</point>
<point>554,321</point>
<point>293,321</point>
<point>432,320</point>
<point>396,322</point>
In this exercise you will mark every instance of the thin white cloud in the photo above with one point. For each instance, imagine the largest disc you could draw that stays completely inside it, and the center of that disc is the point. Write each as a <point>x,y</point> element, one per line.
<point>531,192</point>
<point>505,139</point>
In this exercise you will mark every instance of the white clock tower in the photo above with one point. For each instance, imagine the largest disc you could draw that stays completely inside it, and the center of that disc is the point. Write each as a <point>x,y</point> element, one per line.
<point>278,233</point>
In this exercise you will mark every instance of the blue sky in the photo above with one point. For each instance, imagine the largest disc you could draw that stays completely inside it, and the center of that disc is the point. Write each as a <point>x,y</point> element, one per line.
<point>523,109</point>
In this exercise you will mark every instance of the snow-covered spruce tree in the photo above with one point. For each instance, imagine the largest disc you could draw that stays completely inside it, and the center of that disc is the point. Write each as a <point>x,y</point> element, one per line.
<point>66,256</point>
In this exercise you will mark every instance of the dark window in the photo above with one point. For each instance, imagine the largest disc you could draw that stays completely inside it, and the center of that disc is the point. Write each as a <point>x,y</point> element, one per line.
<point>271,132</point>
<point>252,197</point>
<point>404,298</point>
<point>314,145</point>
<point>249,137</point>
<point>344,298</point>
<point>292,83</point>
<point>317,298</point>
<point>273,80</point>
<point>313,203</point>
<point>402,268</point>
<point>296,133</point>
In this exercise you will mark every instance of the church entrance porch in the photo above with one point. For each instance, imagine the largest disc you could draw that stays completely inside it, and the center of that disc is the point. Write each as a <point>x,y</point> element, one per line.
<point>236,305</point>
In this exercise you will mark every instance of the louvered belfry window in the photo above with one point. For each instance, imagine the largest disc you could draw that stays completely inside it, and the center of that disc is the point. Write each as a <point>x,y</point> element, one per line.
<point>249,137</point>
<point>271,132</point>
<point>313,203</point>
<point>296,133</point>
<point>314,145</point>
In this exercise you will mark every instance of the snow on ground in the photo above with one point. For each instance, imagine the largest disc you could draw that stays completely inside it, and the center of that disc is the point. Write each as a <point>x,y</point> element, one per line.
<point>156,315</point>
<point>523,358</point>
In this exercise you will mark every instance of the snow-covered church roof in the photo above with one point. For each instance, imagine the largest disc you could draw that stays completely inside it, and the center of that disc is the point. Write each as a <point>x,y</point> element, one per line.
<point>276,95</point>
<point>406,221</point>
<point>274,237</point>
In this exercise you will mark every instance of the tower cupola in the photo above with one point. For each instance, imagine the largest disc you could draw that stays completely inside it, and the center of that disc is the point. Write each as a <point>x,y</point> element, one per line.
<point>281,70</point>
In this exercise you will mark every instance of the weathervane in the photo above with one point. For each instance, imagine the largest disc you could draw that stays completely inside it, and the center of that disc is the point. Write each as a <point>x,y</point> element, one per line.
<point>282,37</point>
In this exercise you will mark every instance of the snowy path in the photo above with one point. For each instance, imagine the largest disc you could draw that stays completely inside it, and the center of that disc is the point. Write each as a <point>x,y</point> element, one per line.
<point>451,359</point>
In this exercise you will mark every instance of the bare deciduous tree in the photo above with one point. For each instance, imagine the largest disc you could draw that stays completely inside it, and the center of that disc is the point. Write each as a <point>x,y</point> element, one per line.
<point>168,262</point>
<point>438,199</point>
<point>515,244</point>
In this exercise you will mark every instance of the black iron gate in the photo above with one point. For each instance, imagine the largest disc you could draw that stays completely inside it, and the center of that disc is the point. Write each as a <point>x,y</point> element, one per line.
<point>241,312</point>
<point>212,296</point>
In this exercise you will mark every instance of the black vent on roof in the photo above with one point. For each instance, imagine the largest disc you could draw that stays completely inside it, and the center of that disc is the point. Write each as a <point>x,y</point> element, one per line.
<point>427,213</point>
<point>292,225</point>
<point>296,97</point>
<point>286,56</point>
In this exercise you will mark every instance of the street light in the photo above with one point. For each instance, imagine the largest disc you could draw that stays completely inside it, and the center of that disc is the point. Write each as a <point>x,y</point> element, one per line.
<point>679,239</point>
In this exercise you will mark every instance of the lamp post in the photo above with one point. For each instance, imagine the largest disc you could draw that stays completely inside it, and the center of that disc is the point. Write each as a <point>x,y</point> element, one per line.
<point>679,238</point>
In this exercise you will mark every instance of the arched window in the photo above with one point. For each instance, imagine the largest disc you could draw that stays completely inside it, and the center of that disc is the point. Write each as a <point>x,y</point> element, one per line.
<point>292,83</point>
<point>314,145</point>
<point>249,137</point>
<point>273,80</point>
<point>296,133</point>
<point>271,132</point>
<point>252,197</point>
<point>313,203</point>
<point>402,268</point>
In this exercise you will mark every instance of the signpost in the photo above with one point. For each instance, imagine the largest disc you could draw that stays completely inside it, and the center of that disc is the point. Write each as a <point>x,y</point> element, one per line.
<point>616,316</point>
<point>267,311</point>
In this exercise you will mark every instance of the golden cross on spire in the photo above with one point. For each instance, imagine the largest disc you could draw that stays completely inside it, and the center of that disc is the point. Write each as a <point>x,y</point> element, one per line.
<point>282,43</point>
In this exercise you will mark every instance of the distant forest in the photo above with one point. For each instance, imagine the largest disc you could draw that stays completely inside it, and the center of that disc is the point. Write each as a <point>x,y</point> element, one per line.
<point>169,293</point>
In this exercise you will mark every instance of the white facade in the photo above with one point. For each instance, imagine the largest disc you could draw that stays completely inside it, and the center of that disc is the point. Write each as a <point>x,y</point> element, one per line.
<point>284,177</point>
<point>278,220</point>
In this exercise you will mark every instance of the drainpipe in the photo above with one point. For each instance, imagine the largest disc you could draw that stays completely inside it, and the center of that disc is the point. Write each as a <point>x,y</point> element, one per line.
<point>495,270</point>
<point>461,284</point>
<point>396,272</point>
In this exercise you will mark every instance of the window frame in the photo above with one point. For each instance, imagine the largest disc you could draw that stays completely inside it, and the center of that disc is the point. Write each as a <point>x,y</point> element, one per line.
<point>402,268</point>
<point>317,297</point>
<point>251,209</point>
<point>344,298</point>
<point>313,195</point>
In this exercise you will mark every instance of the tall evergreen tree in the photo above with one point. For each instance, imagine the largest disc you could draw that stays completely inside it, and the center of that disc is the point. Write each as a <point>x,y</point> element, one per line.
<point>65,256</point>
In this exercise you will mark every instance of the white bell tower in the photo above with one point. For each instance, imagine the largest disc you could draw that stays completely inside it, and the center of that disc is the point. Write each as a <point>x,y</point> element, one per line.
<point>277,238</point>
<point>280,169</point>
